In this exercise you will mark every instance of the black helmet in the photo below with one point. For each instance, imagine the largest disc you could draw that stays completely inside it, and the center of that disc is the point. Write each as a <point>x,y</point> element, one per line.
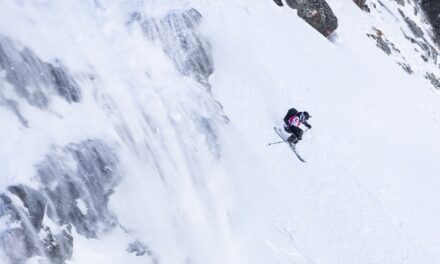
<point>306,115</point>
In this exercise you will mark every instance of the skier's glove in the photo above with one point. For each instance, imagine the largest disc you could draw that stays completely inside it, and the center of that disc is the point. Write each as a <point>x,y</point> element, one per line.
<point>308,126</point>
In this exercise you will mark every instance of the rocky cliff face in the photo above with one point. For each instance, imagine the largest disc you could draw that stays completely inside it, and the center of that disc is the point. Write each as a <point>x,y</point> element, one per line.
<point>41,220</point>
<point>411,29</point>
<point>70,184</point>
<point>412,23</point>
<point>432,11</point>
<point>317,13</point>
<point>177,33</point>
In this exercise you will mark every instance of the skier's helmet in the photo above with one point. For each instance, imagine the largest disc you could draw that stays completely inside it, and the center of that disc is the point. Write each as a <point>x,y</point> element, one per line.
<point>304,116</point>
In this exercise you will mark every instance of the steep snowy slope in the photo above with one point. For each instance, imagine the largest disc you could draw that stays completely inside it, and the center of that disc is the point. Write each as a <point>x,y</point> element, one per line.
<point>137,132</point>
<point>368,192</point>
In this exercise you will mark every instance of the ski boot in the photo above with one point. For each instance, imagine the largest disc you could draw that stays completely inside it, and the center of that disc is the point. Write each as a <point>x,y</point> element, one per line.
<point>293,139</point>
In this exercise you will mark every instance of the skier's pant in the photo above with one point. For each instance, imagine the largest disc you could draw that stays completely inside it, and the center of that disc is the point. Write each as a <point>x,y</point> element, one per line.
<point>295,131</point>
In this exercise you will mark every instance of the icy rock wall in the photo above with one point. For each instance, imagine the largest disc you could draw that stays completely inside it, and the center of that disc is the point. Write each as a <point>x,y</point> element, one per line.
<point>432,11</point>
<point>177,32</point>
<point>402,31</point>
<point>316,13</point>
<point>76,182</point>
<point>32,79</point>
<point>72,183</point>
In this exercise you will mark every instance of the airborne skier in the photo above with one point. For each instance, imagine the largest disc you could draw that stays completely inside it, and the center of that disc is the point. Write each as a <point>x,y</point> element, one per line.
<point>292,123</point>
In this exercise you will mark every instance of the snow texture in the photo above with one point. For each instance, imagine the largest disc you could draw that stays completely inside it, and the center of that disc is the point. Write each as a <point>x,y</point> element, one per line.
<point>137,131</point>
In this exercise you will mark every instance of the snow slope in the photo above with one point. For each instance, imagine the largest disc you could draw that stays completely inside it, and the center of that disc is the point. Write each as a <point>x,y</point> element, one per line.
<point>196,182</point>
<point>368,192</point>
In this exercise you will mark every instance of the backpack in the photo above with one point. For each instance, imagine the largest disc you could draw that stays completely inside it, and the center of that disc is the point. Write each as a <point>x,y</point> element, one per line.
<point>290,113</point>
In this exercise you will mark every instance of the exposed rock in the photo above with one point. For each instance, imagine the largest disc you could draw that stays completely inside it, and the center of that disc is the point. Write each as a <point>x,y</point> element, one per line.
<point>189,50</point>
<point>140,249</point>
<point>418,32</point>
<point>382,42</point>
<point>432,10</point>
<point>362,5</point>
<point>406,67</point>
<point>34,79</point>
<point>178,34</point>
<point>435,81</point>
<point>137,247</point>
<point>317,13</point>
<point>415,29</point>
<point>429,52</point>
<point>16,245</point>
<point>30,237</point>
<point>91,181</point>
<point>278,2</point>
<point>85,171</point>
<point>33,202</point>
<point>400,2</point>
<point>293,4</point>
<point>57,247</point>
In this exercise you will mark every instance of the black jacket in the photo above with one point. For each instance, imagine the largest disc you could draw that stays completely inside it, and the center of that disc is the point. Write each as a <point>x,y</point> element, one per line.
<point>293,112</point>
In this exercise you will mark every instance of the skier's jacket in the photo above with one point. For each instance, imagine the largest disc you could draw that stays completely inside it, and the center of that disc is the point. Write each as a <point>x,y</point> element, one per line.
<point>293,118</point>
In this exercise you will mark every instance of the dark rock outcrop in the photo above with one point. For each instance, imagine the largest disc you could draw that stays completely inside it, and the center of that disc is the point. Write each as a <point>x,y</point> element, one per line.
<point>362,5</point>
<point>34,79</point>
<point>178,35</point>
<point>278,2</point>
<point>80,173</point>
<point>91,182</point>
<point>418,32</point>
<point>137,248</point>
<point>316,13</point>
<point>140,249</point>
<point>29,236</point>
<point>435,81</point>
<point>400,2</point>
<point>432,10</point>
<point>428,51</point>
<point>383,43</point>
<point>406,67</point>
<point>415,29</point>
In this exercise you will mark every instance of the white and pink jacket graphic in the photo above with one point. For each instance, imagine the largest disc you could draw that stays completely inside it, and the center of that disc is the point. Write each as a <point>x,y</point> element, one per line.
<point>294,121</point>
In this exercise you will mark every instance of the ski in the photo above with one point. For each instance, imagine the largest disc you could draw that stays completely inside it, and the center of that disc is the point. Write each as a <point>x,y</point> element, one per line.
<point>279,132</point>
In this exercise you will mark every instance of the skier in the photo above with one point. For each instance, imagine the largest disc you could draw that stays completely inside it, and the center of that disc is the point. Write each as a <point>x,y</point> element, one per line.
<point>292,123</point>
